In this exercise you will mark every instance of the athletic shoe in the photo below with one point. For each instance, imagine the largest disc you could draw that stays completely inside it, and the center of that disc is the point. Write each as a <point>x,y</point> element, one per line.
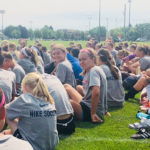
<point>142,134</point>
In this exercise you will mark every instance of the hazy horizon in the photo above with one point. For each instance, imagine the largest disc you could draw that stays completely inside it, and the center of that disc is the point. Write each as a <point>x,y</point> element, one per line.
<point>71,14</point>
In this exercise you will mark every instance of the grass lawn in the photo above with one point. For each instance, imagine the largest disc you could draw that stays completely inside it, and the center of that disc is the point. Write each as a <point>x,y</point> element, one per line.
<point>113,134</point>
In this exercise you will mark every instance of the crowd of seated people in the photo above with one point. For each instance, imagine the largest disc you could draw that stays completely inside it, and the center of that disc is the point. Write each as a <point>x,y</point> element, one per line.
<point>43,92</point>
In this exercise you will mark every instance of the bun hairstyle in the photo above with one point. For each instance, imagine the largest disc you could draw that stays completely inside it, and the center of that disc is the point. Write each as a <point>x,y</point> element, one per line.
<point>105,57</point>
<point>37,87</point>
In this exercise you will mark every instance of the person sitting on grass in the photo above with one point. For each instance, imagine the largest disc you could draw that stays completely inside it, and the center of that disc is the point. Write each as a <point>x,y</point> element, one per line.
<point>7,81</point>
<point>10,63</point>
<point>9,142</point>
<point>32,116</point>
<point>72,56</point>
<point>30,61</point>
<point>64,110</point>
<point>90,101</point>
<point>115,91</point>
<point>63,67</point>
<point>143,64</point>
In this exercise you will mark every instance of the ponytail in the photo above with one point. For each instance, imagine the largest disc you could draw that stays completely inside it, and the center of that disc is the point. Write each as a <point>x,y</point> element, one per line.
<point>37,86</point>
<point>105,57</point>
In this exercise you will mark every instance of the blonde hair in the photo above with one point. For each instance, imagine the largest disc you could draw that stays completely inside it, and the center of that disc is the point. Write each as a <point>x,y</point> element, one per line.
<point>60,47</point>
<point>37,87</point>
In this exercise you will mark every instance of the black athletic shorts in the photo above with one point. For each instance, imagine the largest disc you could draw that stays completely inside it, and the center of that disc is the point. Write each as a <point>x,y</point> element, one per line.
<point>18,135</point>
<point>86,112</point>
<point>66,126</point>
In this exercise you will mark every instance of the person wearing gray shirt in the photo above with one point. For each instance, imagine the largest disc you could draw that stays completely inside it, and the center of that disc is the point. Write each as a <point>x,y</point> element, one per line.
<point>36,114</point>
<point>64,110</point>
<point>20,73</point>
<point>115,92</point>
<point>10,63</point>
<point>65,73</point>
<point>63,67</point>
<point>37,121</point>
<point>8,84</point>
<point>90,101</point>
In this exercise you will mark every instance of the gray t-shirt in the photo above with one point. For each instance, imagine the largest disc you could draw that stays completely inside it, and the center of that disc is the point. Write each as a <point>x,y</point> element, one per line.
<point>20,73</point>
<point>145,63</point>
<point>47,58</point>
<point>59,94</point>
<point>95,77</point>
<point>65,73</point>
<point>37,121</point>
<point>148,91</point>
<point>115,92</point>
<point>9,142</point>
<point>8,84</point>
<point>115,56</point>
<point>27,65</point>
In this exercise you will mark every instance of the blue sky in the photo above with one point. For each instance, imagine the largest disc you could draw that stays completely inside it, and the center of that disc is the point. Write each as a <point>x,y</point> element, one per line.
<point>72,14</point>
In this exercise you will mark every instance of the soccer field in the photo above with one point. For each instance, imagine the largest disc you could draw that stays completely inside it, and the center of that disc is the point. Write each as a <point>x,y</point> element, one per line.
<point>113,134</point>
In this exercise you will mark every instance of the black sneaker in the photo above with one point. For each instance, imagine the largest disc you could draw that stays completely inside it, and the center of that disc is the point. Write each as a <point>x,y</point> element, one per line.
<point>142,134</point>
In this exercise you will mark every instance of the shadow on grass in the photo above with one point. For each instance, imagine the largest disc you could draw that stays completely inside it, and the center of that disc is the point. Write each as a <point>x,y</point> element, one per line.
<point>135,100</point>
<point>114,109</point>
<point>63,137</point>
<point>86,125</point>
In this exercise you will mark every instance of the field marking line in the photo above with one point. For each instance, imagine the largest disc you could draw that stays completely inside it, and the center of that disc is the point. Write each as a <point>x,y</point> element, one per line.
<point>111,139</point>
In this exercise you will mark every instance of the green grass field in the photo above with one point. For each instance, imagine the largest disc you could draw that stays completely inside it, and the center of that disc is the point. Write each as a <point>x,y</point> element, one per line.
<point>113,134</point>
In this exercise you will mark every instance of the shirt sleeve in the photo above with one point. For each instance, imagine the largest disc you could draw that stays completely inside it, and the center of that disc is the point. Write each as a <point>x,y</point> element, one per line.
<point>148,91</point>
<point>143,64</point>
<point>18,76</point>
<point>94,78</point>
<point>15,109</point>
<point>13,84</point>
<point>61,73</point>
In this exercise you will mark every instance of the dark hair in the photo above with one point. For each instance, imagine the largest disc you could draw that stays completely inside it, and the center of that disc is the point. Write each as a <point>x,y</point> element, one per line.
<point>125,44</point>
<point>118,48</point>
<point>105,57</point>
<point>7,55</point>
<point>75,52</point>
<point>5,48</point>
<point>30,55</point>
<point>79,46</point>
<point>133,46</point>
<point>44,49</point>
<point>144,48</point>
<point>68,49</point>
<point>1,60</point>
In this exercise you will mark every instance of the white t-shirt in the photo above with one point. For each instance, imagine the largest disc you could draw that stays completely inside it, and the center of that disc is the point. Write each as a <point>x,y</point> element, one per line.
<point>9,142</point>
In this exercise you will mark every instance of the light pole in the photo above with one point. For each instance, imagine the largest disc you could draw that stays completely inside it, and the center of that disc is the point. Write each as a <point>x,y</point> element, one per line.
<point>2,12</point>
<point>89,18</point>
<point>124,21</point>
<point>99,31</point>
<point>129,13</point>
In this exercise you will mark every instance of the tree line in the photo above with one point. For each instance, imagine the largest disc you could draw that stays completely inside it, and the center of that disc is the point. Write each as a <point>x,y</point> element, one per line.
<point>48,33</point>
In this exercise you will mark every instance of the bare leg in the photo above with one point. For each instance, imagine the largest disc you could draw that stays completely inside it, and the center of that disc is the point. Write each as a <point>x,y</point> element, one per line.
<point>80,89</point>
<point>77,109</point>
<point>73,94</point>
